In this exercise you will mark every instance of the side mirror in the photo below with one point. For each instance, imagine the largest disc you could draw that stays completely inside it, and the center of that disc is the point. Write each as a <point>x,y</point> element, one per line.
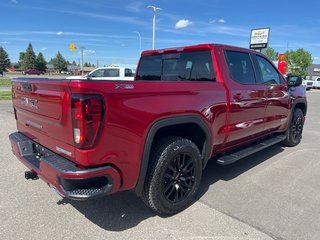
<point>294,81</point>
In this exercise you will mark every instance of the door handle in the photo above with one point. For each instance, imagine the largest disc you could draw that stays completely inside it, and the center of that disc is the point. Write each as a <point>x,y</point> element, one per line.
<point>269,94</point>
<point>237,97</point>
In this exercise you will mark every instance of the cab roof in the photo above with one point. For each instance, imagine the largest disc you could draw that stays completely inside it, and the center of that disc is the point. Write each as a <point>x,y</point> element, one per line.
<point>192,48</point>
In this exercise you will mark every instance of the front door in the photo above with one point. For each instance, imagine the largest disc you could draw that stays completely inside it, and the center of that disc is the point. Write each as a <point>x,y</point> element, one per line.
<point>277,110</point>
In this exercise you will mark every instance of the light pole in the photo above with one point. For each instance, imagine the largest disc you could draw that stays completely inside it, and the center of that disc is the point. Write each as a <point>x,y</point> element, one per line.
<point>139,35</point>
<point>81,49</point>
<point>155,9</point>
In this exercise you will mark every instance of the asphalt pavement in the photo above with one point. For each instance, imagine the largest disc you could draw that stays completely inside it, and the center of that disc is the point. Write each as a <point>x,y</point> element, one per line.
<point>273,194</point>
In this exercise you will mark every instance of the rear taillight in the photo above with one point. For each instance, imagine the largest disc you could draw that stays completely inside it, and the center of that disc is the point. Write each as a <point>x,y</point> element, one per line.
<point>87,119</point>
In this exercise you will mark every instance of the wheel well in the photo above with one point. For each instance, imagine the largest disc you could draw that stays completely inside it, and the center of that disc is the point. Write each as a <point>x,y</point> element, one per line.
<point>189,127</point>
<point>302,106</point>
<point>190,131</point>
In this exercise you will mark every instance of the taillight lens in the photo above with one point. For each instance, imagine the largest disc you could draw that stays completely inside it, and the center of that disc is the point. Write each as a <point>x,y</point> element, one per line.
<point>87,119</point>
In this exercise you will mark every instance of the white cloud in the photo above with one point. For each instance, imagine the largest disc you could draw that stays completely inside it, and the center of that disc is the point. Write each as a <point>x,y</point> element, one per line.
<point>43,49</point>
<point>4,42</point>
<point>114,18</point>
<point>221,20</point>
<point>88,52</point>
<point>59,33</point>
<point>135,7</point>
<point>183,23</point>
<point>14,1</point>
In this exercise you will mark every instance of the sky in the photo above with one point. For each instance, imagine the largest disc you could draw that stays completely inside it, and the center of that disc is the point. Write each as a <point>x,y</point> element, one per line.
<point>109,30</point>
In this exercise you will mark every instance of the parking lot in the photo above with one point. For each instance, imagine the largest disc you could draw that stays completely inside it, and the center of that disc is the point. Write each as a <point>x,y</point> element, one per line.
<point>274,194</point>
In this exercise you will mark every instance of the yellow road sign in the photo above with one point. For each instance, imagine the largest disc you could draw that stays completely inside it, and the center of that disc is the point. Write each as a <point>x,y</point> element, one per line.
<point>72,47</point>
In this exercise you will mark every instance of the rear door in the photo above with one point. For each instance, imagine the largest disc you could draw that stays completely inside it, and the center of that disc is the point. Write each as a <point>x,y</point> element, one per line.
<point>247,99</point>
<point>277,97</point>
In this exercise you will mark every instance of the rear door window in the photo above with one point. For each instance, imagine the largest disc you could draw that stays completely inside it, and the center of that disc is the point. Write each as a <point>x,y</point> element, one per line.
<point>193,66</point>
<point>240,67</point>
<point>111,73</point>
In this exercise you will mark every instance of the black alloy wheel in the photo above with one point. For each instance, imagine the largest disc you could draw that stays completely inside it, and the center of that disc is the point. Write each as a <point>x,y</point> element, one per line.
<point>173,176</point>
<point>294,133</point>
<point>296,128</point>
<point>179,178</point>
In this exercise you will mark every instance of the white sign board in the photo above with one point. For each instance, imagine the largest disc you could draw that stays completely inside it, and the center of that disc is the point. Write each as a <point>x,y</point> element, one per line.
<point>259,38</point>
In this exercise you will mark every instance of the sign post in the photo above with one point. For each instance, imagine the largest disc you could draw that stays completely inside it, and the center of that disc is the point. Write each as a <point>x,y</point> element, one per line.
<point>259,38</point>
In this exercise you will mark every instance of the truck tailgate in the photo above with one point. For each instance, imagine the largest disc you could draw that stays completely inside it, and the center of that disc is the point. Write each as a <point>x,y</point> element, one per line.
<point>42,109</point>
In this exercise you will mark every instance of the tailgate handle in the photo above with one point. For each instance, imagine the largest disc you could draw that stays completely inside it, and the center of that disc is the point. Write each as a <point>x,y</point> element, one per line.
<point>26,86</point>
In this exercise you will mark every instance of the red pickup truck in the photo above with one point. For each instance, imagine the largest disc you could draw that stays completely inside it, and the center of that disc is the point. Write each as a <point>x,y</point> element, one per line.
<point>155,135</point>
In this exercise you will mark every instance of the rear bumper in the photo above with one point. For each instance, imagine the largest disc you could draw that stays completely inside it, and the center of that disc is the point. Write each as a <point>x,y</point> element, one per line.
<point>68,179</point>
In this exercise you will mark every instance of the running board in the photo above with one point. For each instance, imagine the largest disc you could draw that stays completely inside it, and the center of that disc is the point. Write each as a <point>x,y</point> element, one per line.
<point>244,152</point>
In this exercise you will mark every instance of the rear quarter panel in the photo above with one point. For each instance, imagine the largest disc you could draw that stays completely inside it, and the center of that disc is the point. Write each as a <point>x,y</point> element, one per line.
<point>130,113</point>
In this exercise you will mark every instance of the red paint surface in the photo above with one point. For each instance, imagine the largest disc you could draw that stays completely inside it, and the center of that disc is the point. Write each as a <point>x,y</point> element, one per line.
<point>130,113</point>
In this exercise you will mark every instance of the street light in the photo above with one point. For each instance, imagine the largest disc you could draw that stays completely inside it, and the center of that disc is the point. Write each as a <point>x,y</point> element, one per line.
<point>155,9</point>
<point>81,51</point>
<point>139,40</point>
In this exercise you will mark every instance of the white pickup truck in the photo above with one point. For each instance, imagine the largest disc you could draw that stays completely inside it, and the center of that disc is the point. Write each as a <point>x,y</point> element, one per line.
<point>316,83</point>
<point>308,84</point>
<point>108,73</point>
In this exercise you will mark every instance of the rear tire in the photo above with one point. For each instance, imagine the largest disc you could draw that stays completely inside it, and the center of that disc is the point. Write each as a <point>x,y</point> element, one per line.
<point>294,133</point>
<point>174,175</point>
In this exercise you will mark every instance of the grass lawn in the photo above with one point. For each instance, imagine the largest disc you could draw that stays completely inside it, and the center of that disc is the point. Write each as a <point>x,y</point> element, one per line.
<point>5,95</point>
<point>4,82</point>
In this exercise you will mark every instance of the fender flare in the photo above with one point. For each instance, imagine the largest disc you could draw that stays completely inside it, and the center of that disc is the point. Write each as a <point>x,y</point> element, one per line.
<point>297,101</point>
<point>170,121</point>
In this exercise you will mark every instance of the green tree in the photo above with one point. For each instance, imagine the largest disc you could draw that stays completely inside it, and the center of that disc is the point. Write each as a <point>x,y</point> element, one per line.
<point>271,53</point>
<point>29,58</point>
<point>21,60</point>
<point>59,62</point>
<point>74,63</point>
<point>298,61</point>
<point>41,62</point>
<point>51,61</point>
<point>4,59</point>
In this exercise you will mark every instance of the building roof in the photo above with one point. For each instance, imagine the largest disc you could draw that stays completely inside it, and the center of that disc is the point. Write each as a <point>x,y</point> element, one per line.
<point>314,70</point>
<point>73,67</point>
<point>50,66</point>
<point>88,69</point>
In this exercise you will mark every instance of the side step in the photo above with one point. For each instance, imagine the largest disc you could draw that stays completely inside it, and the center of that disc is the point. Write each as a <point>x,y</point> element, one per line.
<point>244,152</point>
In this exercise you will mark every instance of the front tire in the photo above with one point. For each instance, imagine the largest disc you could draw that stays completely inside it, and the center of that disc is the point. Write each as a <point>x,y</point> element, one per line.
<point>174,176</point>
<point>294,133</point>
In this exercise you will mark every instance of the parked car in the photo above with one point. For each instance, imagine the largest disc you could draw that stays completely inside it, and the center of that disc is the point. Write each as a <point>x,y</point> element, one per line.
<point>155,135</point>
<point>32,72</point>
<point>108,73</point>
<point>307,84</point>
<point>316,83</point>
